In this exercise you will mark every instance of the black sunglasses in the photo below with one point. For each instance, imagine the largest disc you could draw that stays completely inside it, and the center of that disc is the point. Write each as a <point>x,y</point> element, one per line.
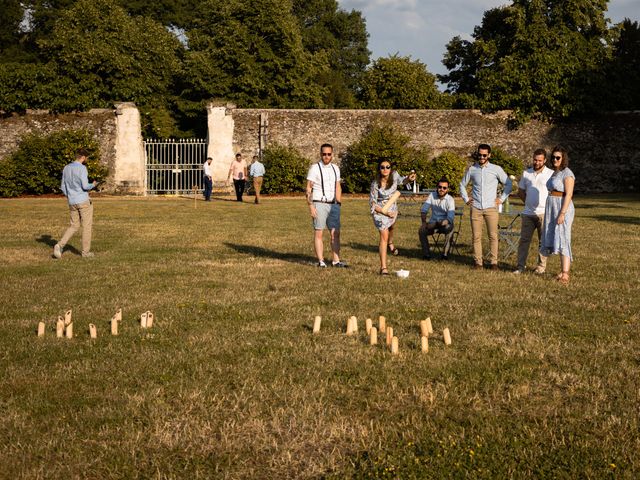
<point>440,187</point>
<point>483,155</point>
<point>557,157</point>
<point>385,167</point>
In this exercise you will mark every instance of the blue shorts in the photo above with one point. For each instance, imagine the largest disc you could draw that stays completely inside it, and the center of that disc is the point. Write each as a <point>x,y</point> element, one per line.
<point>328,216</point>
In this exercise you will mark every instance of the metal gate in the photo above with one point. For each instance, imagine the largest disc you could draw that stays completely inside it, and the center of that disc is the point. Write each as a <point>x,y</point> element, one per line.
<point>174,166</point>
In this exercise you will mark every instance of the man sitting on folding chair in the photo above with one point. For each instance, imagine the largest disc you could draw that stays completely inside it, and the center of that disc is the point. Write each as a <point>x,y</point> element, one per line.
<point>443,210</point>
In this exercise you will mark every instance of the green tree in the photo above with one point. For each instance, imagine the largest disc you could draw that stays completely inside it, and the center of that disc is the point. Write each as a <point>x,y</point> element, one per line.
<point>621,89</point>
<point>251,53</point>
<point>286,170</point>
<point>399,82</point>
<point>342,36</point>
<point>537,57</point>
<point>379,142</point>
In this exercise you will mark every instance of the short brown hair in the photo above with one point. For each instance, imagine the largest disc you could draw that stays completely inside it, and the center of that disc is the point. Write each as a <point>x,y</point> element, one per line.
<point>82,152</point>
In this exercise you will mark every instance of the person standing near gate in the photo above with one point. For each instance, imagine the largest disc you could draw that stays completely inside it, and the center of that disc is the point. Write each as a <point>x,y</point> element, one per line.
<point>208,179</point>
<point>324,195</point>
<point>75,185</point>
<point>238,171</point>
<point>484,201</point>
<point>532,190</point>
<point>257,171</point>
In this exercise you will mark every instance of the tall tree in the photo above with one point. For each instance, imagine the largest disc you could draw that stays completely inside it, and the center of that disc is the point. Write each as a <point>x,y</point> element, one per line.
<point>11,36</point>
<point>399,82</point>
<point>343,37</point>
<point>251,53</point>
<point>621,88</point>
<point>537,57</point>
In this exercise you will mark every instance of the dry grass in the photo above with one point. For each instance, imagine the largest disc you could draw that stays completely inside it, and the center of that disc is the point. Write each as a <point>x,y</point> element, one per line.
<point>541,380</point>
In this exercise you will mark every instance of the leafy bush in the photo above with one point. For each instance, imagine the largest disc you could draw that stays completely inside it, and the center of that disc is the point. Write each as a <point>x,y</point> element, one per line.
<point>510,164</point>
<point>380,142</point>
<point>36,167</point>
<point>447,164</point>
<point>286,170</point>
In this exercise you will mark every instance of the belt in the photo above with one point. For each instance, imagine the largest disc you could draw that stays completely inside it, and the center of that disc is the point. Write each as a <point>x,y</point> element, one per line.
<point>326,201</point>
<point>556,193</point>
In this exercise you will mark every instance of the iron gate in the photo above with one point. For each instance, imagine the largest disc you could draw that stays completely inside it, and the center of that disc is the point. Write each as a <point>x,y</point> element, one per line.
<point>174,166</point>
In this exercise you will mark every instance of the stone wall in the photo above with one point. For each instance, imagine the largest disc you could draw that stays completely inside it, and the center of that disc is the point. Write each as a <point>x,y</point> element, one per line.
<point>604,150</point>
<point>117,131</point>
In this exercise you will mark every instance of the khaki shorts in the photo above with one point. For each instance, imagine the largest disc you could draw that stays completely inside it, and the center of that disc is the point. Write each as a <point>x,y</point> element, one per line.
<point>328,216</point>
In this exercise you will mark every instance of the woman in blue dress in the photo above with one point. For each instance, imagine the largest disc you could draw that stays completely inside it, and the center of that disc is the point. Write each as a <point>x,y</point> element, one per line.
<point>559,213</point>
<point>385,184</point>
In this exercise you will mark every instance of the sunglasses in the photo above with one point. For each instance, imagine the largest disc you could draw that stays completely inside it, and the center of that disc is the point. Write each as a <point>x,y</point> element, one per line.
<point>557,157</point>
<point>440,187</point>
<point>385,167</point>
<point>483,155</point>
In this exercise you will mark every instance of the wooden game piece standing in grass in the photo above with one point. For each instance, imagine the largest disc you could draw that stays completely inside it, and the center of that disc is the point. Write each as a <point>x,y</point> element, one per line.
<point>143,320</point>
<point>149,319</point>
<point>429,326</point>
<point>424,330</point>
<point>41,327</point>
<point>349,326</point>
<point>368,324</point>
<point>394,346</point>
<point>93,332</point>
<point>447,336</point>
<point>389,335</point>
<point>67,317</point>
<point>373,336</point>
<point>316,324</point>
<point>68,330</point>
<point>60,327</point>
<point>118,315</point>
<point>354,324</point>
<point>114,324</point>
<point>424,344</point>
<point>382,324</point>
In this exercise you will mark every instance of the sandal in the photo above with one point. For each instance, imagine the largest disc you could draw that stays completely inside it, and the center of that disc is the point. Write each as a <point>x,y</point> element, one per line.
<point>393,249</point>
<point>564,278</point>
<point>384,271</point>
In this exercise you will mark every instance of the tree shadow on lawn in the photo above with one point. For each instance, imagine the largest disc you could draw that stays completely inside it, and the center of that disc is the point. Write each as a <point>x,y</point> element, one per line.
<point>50,241</point>
<point>265,252</point>
<point>617,219</point>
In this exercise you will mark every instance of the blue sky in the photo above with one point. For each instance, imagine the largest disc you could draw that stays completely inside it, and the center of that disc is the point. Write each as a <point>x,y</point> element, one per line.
<point>422,28</point>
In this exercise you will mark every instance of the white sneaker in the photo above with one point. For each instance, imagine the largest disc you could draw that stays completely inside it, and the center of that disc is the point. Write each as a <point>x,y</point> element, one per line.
<point>57,251</point>
<point>539,271</point>
<point>88,255</point>
<point>321,264</point>
<point>518,271</point>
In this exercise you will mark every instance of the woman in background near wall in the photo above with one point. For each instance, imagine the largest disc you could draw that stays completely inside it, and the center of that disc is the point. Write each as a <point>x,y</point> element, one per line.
<point>385,184</point>
<point>559,213</point>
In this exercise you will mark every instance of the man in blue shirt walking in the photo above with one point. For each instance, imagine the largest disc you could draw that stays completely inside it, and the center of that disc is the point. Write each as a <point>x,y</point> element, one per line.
<point>257,171</point>
<point>75,185</point>
<point>484,202</point>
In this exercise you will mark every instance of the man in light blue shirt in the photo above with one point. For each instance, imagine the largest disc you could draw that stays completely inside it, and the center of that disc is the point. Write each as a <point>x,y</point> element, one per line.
<point>257,171</point>
<point>75,185</point>
<point>484,202</point>
<point>443,210</point>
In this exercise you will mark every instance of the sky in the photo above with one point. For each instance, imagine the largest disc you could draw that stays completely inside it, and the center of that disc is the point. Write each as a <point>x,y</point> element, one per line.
<point>422,28</point>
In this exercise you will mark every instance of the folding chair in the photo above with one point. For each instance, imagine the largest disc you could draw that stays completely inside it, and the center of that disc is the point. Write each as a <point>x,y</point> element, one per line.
<point>510,236</point>
<point>438,238</point>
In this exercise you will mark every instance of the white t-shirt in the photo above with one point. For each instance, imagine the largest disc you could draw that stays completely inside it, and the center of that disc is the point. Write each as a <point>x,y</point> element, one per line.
<point>207,168</point>
<point>535,186</point>
<point>320,173</point>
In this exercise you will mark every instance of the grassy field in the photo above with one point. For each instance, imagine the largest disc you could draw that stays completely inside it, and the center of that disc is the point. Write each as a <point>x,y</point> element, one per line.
<point>541,381</point>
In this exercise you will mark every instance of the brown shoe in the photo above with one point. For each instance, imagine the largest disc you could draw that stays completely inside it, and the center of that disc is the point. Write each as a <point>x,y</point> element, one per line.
<point>494,266</point>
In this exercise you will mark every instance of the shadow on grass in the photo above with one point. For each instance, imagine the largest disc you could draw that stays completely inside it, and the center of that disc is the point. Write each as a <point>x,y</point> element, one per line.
<point>50,241</point>
<point>617,219</point>
<point>265,252</point>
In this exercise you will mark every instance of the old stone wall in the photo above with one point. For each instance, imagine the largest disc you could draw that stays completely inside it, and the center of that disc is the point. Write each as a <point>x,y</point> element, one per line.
<point>604,150</point>
<point>117,131</point>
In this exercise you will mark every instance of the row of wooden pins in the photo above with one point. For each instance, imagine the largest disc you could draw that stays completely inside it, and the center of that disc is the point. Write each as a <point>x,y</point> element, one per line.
<point>426,328</point>
<point>64,326</point>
